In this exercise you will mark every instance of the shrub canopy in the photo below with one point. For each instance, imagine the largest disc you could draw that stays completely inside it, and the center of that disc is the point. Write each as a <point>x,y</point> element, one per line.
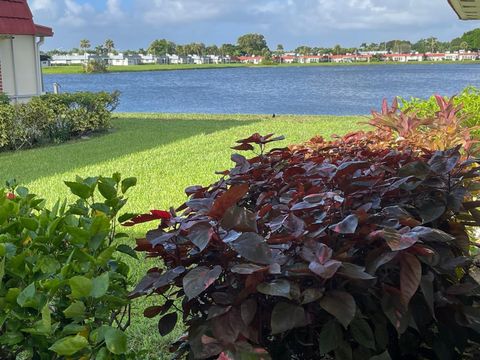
<point>355,248</point>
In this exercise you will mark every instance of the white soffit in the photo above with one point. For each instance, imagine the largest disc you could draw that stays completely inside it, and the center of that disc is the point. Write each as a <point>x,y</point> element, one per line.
<point>466,9</point>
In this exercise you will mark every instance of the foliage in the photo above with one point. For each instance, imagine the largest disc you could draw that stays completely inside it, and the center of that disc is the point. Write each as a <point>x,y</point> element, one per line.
<point>252,44</point>
<point>332,248</point>
<point>469,99</point>
<point>55,118</point>
<point>95,66</point>
<point>161,47</point>
<point>63,282</point>
<point>4,99</point>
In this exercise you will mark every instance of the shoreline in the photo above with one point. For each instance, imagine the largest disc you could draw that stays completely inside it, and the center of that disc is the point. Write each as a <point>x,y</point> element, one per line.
<point>78,69</point>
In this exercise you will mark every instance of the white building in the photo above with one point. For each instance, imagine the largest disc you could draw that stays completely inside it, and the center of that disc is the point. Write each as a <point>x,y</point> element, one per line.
<point>124,60</point>
<point>20,40</point>
<point>75,59</point>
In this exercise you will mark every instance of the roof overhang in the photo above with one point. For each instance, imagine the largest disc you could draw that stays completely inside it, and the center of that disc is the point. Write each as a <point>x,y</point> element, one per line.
<point>466,9</point>
<point>43,31</point>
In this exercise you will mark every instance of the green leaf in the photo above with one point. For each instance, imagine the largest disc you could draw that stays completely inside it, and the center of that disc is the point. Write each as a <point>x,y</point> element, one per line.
<point>75,310</point>
<point>125,249</point>
<point>275,288</point>
<point>199,279</point>
<point>29,223</point>
<point>116,341</point>
<point>341,305</point>
<point>69,345</point>
<point>108,191</point>
<point>105,256</point>
<point>330,338</point>
<point>254,248</point>
<point>26,297</point>
<point>286,316</point>
<point>81,190</point>
<point>362,333</point>
<point>128,183</point>
<point>81,287</point>
<point>100,285</point>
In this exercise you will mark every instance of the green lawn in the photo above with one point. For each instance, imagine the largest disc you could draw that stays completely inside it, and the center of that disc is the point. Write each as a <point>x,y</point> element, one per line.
<point>78,69</point>
<point>166,153</point>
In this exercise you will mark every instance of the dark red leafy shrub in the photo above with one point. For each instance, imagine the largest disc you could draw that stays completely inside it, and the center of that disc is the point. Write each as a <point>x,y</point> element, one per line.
<point>341,249</point>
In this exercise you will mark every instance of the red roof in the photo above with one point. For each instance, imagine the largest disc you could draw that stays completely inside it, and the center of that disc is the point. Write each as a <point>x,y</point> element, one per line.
<point>16,19</point>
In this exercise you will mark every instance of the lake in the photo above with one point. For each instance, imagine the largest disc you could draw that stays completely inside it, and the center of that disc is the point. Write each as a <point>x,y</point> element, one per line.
<point>335,90</point>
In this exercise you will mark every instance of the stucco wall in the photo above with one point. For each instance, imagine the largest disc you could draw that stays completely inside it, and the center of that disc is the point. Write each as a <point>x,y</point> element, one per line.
<point>24,55</point>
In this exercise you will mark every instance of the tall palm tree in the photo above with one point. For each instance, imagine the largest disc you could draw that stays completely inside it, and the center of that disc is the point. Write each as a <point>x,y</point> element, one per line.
<point>85,44</point>
<point>109,45</point>
<point>464,45</point>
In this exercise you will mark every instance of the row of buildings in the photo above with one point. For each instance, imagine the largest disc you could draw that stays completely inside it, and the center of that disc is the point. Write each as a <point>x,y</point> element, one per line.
<point>138,59</point>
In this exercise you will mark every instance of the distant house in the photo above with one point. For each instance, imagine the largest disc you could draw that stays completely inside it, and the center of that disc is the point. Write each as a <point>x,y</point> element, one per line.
<point>20,40</point>
<point>124,60</point>
<point>45,60</point>
<point>250,59</point>
<point>75,59</point>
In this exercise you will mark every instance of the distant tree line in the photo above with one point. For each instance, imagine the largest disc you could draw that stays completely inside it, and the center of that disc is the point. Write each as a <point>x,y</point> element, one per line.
<point>256,44</point>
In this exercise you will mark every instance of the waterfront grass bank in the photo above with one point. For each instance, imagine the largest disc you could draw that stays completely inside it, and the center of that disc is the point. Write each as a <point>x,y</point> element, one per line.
<point>78,69</point>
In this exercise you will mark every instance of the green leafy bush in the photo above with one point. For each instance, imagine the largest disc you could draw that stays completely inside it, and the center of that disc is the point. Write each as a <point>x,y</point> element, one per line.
<point>95,66</point>
<point>355,248</point>
<point>55,118</point>
<point>63,285</point>
<point>4,99</point>
<point>469,98</point>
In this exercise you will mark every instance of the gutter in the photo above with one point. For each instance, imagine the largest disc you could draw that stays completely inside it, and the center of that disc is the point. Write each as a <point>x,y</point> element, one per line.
<point>15,84</point>
<point>38,67</point>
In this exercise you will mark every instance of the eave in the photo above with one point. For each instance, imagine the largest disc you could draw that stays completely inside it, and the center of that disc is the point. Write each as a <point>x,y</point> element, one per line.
<point>466,9</point>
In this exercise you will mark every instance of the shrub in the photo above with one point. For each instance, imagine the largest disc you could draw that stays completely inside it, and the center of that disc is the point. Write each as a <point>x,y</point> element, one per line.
<point>354,248</point>
<point>469,99</point>
<point>4,99</point>
<point>63,285</point>
<point>95,66</point>
<point>55,118</point>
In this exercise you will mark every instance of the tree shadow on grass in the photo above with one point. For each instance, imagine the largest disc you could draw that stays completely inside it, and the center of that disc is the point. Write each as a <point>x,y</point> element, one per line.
<point>131,135</point>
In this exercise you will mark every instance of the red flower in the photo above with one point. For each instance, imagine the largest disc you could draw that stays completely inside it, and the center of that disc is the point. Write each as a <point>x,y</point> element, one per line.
<point>11,196</point>
<point>154,215</point>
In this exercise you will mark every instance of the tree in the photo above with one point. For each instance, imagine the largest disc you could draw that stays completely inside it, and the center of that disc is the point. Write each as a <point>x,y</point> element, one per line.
<point>228,49</point>
<point>252,44</point>
<point>337,49</point>
<point>85,45</point>
<point>100,50</point>
<point>464,45</point>
<point>212,50</point>
<point>472,38</point>
<point>109,45</point>
<point>161,47</point>
<point>280,50</point>
<point>304,50</point>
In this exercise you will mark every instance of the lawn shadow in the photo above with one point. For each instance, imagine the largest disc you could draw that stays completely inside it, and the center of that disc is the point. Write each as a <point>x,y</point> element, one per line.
<point>132,134</point>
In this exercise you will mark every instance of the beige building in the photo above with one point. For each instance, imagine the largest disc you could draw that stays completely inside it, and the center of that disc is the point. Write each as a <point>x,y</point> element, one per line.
<point>20,40</point>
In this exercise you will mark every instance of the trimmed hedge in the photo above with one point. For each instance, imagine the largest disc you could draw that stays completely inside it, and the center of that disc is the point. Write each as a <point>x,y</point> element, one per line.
<point>55,118</point>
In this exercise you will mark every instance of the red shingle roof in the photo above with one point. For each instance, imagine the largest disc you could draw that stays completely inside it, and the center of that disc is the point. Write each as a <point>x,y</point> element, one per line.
<point>16,19</point>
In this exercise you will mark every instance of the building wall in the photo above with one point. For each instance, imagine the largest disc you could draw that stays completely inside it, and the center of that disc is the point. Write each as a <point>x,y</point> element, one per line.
<point>25,83</point>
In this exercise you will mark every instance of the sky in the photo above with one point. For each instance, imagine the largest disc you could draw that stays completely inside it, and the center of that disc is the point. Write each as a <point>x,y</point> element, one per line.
<point>134,24</point>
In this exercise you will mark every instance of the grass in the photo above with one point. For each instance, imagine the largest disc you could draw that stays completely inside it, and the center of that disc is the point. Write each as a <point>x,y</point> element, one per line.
<point>166,153</point>
<point>78,69</point>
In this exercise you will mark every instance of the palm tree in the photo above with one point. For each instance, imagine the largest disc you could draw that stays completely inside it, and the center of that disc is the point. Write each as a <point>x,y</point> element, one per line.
<point>109,45</point>
<point>464,45</point>
<point>85,44</point>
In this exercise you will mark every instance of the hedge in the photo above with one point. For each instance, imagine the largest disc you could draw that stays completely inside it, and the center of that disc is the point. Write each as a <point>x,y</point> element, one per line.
<point>55,118</point>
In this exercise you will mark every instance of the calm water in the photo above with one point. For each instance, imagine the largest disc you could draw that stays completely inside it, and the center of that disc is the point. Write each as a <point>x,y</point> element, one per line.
<point>344,90</point>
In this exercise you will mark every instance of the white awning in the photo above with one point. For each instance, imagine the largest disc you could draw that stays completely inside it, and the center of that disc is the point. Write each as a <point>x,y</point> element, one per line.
<point>466,9</point>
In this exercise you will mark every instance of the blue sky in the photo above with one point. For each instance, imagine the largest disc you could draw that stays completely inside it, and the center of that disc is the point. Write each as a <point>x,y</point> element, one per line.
<point>133,24</point>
